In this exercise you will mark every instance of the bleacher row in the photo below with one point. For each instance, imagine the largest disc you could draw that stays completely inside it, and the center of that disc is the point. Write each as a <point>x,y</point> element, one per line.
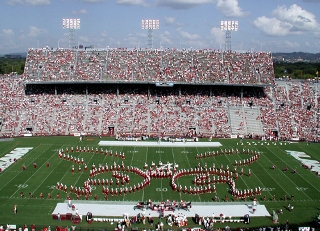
<point>287,109</point>
<point>149,65</point>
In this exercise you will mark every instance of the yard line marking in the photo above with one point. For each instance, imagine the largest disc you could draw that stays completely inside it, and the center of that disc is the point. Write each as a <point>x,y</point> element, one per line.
<point>202,163</point>
<point>283,174</point>
<point>48,174</point>
<point>37,171</point>
<point>296,173</point>
<point>146,162</point>
<point>82,172</point>
<point>303,174</point>
<point>174,162</point>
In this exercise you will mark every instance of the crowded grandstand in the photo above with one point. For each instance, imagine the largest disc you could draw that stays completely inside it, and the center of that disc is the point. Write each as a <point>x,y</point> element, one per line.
<point>149,92</point>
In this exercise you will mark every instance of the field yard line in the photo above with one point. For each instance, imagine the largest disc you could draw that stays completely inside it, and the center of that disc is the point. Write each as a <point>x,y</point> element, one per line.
<point>51,209</point>
<point>4,172</point>
<point>30,176</point>
<point>308,181</point>
<point>239,174</point>
<point>82,172</point>
<point>48,174</point>
<point>202,163</point>
<point>134,147</point>
<point>174,162</point>
<point>161,178</point>
<point>146,162</point>
<point>284,174</point>
<point>299,175</point>
<point>287,176</point>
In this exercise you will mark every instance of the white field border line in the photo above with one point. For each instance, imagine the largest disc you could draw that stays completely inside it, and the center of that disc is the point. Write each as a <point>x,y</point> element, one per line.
<point>161,144</point>
<point>31,175</point>
<point>274,178</point>
<point>289,178</point>
<point>300,174</point>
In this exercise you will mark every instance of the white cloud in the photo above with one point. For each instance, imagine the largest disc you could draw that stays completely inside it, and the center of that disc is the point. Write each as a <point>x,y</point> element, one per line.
<point>132,2</point>
<point>29,2</point>
<point>35,32</point>
<point>182,4</point>
<point>188,36</point>
<point>290,21</point>
<point>289,44</point>
<point>84,39</point>
<point>301,20</point>
<point>272,26</point>
<point>7,32</point>
<point>218,35</point>
<point>83,11</point>
<point>230,8</point>
<point>104,34</point>
<point>165,39</point>
<point>169,20</point>
<point>93,1</point>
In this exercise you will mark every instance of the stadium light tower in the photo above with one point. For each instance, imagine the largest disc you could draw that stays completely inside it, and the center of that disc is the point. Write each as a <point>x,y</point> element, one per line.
<point>228,26</point>
<point>71,24</point>
<point>150,25</point>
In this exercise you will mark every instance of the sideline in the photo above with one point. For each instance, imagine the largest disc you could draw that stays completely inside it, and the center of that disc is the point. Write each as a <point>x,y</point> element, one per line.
<point>159,144</point>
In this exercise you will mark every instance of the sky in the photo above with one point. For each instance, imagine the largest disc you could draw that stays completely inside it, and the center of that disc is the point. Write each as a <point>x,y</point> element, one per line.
<point>264,25</point>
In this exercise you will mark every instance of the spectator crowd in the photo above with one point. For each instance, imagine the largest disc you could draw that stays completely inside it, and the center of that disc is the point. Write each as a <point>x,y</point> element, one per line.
<point>194,106</point>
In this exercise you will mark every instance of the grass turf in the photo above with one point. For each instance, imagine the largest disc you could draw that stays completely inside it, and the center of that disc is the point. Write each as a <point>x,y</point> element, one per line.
<point>304,185</point>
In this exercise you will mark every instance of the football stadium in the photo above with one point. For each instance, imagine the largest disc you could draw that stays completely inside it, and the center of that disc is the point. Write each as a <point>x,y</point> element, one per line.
<point>157,139</point>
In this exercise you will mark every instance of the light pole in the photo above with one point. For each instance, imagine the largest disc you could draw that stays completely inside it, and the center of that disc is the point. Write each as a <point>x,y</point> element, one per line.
<point>228,26</point>
<point>150,25</point>
<point>72,25</point>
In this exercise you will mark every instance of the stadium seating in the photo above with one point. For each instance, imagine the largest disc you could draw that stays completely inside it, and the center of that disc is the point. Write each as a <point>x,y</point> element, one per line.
<point>168,65</point>
<point>113,92</point>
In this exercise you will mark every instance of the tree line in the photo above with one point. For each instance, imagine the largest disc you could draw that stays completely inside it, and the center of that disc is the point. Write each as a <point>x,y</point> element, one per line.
<point>295,70</point>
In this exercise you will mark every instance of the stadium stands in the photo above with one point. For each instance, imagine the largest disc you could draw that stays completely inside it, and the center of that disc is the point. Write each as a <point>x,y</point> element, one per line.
<point>169,65</point>
<point>113,92</point>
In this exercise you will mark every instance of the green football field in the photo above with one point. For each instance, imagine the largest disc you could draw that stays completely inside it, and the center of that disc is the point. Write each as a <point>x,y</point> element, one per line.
<point>304,185</point>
